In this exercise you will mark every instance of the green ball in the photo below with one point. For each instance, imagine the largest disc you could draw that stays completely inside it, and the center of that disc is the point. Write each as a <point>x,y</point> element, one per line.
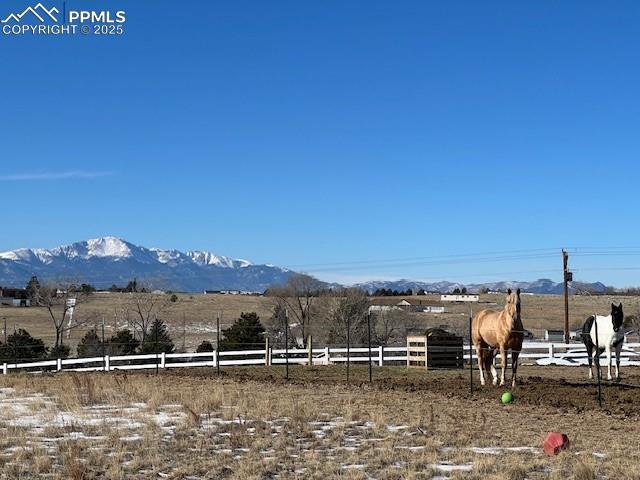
<point>507,397</point>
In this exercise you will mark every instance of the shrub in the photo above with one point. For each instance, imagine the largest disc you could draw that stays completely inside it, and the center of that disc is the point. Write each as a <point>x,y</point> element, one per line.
<point>61,351</point>
<point>122,343</point>
<point>205,346</point>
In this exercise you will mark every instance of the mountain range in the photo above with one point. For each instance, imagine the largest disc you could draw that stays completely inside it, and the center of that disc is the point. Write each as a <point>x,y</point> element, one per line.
<point>540,286</point>
<point>106,261</point>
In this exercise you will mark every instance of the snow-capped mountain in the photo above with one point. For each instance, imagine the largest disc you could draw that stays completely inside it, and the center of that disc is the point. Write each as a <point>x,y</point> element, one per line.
<point>111,260</point>
<point>541,286</point>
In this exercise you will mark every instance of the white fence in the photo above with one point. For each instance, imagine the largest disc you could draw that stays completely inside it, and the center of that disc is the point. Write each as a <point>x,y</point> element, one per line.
<point>539,353</point>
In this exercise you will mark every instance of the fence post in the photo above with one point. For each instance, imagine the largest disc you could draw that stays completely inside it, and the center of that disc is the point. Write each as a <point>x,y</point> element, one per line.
<point>214,360</point>
<point>59,364</point>
<point>107,363</point>
<point>551,350</point>
<point>162,360</point>
<point>266,351</point>
<point>326,355</point>
<point>380,355</point>
<point>4,368</point>
<point>310,351</point>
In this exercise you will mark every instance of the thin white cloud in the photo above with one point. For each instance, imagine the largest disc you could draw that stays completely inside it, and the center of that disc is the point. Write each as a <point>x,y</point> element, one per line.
<point>66,175</point>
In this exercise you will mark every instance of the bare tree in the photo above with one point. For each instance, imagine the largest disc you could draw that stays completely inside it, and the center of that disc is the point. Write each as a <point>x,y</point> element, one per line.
<point>349,309</point>
<point>61,301</point>
<point>391,326</point>
<point>297,297</point>
<point>141,308</point>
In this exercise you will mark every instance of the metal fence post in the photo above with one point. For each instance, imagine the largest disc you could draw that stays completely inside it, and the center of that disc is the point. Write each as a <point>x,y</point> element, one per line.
<point>348,346</point>
<point>369,342</point>
<point>286,343</point>
<point>217,351</point>
<point>471,352</point>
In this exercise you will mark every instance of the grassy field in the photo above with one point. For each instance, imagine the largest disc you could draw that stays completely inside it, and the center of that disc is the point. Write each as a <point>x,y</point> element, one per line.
<point>192,318</point>
<point>251,424</point>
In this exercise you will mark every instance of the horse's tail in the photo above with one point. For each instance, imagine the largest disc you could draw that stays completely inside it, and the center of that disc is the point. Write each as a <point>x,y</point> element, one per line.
<point>476,322</point>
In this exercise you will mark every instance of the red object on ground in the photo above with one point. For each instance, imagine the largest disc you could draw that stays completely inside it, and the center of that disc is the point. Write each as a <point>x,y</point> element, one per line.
<point>555,442</point>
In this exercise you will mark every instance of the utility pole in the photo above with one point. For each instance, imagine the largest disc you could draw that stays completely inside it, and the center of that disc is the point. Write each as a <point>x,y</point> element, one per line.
<point>567,277</point>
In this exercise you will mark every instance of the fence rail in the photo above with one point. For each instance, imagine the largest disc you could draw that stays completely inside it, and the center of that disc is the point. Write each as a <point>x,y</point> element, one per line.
<point>539,353</point>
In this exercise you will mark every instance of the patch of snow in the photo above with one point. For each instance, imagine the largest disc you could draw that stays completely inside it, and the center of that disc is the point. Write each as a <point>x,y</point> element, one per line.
<point>450,467</point>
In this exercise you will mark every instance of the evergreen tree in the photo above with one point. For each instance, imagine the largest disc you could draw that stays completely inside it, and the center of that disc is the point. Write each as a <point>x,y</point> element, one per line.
<point>90,345</point>
<point>122,343</point>
<point>245,334</point>
<point>21,346</point>
<point>157,339</point>
<point>33,287</point>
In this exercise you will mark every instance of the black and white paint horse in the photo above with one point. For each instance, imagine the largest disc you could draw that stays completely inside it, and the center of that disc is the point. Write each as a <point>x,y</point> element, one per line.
<point>610,335</point>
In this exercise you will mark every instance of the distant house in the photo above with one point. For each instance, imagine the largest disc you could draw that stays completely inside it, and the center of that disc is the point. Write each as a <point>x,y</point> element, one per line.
<point>387,305</point>
<point>433,309</point>
<point>230,292</point>
<point>459,297</point>
<point>14,297</point>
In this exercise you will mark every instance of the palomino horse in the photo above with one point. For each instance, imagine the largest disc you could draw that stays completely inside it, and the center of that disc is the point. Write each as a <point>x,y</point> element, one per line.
<point>492,331</point>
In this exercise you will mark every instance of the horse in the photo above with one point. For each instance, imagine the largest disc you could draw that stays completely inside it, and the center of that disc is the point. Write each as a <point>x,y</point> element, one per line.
<point>492,331</point>
<point>609,336</point>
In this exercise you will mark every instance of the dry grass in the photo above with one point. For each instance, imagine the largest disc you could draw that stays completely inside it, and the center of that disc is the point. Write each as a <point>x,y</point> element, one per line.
<point>197,312</point>
<point>174,425</point>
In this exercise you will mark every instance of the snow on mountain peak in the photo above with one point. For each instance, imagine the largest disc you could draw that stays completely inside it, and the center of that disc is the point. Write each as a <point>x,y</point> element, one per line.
<point>208,258</point>
<point>108,247</point>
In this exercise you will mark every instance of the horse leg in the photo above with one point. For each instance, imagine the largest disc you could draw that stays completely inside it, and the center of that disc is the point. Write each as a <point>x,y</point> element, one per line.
<point>480,362</point>
<point>608,350</point>
<point>491,362</point>
<point>503,359</point>
<point>589,346</point>
<point>596,359</point>
<point>514,367</point>
<point>618,350</point>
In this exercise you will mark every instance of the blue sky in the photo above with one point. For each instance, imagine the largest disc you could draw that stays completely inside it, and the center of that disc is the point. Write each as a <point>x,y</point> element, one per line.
<point>320,134</point>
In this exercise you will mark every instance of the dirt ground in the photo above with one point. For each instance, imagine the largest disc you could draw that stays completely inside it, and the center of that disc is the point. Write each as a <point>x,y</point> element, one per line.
<point>565,389</point>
